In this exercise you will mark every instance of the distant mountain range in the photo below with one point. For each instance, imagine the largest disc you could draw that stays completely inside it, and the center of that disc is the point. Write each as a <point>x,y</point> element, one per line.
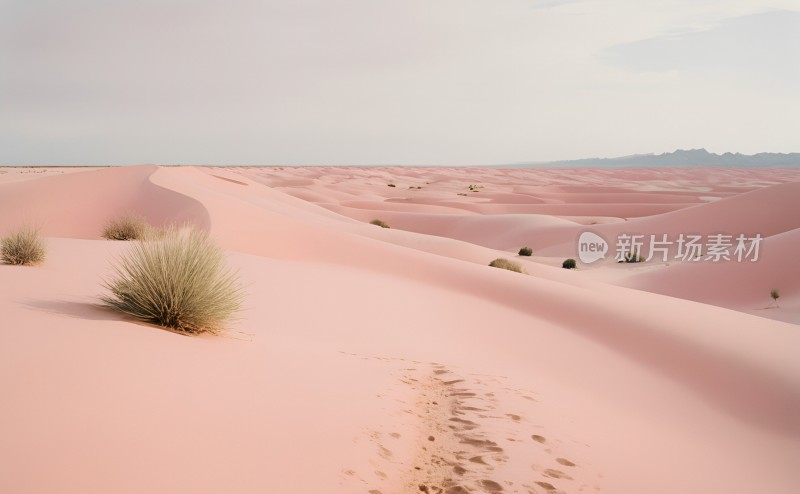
<point>679,158</point>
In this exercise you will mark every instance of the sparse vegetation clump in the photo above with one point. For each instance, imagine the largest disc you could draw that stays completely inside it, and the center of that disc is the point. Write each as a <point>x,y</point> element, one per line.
<point>475,187</point>
<point>379,223</point>
<point>526,251</point>
<point>391,185</point>
<point>506,264</point>
<point>569,264</point>
<point>127,227</point>
<point>24,247</point>
<point>775,295</point>
<point>179,281</point>
<point>632,257</point>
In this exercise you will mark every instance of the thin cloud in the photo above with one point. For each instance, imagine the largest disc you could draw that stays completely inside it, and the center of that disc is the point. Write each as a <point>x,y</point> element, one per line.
<point>760,46</point>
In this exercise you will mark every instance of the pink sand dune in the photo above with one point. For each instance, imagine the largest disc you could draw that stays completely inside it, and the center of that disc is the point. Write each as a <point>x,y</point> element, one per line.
<point>759,211</point>
<point>626,197</point>
<point>741,285</point>
<point>409,205</point>
<point>381,360</point>
<point>762,211</point>
<point>78,204</point>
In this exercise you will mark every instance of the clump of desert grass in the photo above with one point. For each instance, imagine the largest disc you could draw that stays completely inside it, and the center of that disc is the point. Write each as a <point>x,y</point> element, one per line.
<point>379,223</point>
<point>775,294</point>
<point>526,251</point>
<point>128,226</point>
<point>633,257</point>
<point>503,263</point>
<point>178,280</point>
<point>569,264</point>
<point>23,247</point>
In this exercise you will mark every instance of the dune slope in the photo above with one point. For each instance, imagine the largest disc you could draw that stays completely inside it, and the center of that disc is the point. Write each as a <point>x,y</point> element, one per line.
<point>376,361</point>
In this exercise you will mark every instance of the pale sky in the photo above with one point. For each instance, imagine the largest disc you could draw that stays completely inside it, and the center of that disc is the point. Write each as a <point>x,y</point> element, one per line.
<point>440,82</point>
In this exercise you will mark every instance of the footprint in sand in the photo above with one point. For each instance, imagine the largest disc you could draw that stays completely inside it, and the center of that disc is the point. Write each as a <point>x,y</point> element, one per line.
<point>556,474</point>
<point>565,462</point>
<point>466,425</point>
<point>491,486</point>
<point>546,485</point>
<point>538,438</point>
<point>484,444</point>
<point>385,453</point>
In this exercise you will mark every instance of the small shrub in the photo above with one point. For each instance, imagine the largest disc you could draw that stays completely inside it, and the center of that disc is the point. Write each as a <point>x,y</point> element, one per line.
<point>569,264</point>
<point>178,281</point>
<point>23,247</point>
<point>526,251</point>
<point>379,223</point>
<point>506,264</point>
<point>391,185</point>
<point>775,294</point>
<point>632,257</point>
<point>127,227</point>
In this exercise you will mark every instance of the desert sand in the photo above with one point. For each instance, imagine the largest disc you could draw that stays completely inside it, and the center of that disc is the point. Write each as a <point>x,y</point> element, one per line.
<point>382,361</point>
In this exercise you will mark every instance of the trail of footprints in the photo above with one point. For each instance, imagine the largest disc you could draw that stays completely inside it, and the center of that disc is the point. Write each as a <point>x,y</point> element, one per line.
<point>455,454</point>
<point>466,460</point>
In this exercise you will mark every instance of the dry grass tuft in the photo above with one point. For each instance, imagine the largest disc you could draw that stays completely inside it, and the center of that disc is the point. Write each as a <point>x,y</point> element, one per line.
<point>24,247</point>
<point>379,223</point>
<point>127,227</point>
<point>506,264</point>
<point>178,280</point>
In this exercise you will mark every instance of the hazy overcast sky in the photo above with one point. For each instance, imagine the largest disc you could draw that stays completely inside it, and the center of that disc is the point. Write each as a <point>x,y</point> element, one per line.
<point>393,82</point>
